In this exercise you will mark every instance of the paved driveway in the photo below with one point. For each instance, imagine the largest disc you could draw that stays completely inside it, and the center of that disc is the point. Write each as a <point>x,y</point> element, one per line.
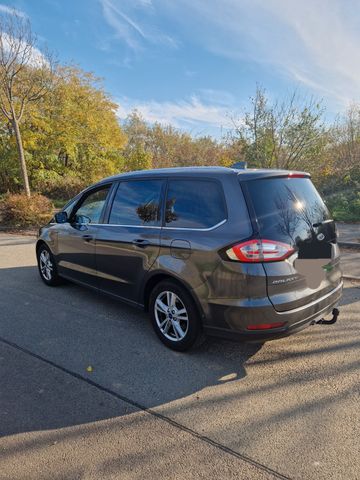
<point>348,232</point>
<point>285,409</point>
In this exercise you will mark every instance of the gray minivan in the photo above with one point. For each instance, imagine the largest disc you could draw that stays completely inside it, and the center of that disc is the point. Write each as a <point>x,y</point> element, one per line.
<point>241,254</point>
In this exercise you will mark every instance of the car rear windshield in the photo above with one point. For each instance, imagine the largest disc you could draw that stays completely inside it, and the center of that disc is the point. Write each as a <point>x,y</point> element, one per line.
<point>287,209</point>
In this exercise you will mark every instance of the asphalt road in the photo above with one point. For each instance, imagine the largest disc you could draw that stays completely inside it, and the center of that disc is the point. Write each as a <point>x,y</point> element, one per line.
<point>285,409</point>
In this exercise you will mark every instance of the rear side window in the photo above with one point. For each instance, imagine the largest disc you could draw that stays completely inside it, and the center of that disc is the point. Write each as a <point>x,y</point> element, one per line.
<point>287,209</point>
<point>137,203</point>
<point>194,204</point>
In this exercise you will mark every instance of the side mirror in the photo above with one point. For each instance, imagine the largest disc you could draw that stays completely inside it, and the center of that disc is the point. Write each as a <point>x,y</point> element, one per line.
<point>61,217</point>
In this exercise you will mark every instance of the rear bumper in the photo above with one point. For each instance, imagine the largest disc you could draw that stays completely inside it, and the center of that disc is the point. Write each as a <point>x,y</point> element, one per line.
<point>229,318</point>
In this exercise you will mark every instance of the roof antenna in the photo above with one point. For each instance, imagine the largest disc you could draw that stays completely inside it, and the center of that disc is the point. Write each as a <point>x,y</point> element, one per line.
<point>239,165</point>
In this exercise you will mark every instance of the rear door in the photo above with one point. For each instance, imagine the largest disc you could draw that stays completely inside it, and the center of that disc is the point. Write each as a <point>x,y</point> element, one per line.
<point>288,209</point>
<point>194,214</point>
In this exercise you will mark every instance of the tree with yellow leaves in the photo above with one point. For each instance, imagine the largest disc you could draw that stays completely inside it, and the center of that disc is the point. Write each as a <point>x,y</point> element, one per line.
<point>72,133</point>
<point>25,78</point>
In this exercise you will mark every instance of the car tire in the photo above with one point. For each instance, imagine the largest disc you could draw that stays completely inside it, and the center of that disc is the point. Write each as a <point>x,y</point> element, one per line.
<point>47,266</point>
<point>175,316</point>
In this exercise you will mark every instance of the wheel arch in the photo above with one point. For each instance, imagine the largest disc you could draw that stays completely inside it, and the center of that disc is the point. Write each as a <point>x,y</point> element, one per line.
<point>42,242</point>
<point>158,277</point>
<point>39,243</point>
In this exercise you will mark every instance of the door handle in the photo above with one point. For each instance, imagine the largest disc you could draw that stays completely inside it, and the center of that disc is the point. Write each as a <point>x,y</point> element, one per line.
<point>141,242</point>
<point>87,238</point>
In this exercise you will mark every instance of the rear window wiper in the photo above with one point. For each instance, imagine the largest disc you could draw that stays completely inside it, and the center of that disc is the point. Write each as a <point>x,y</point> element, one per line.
<point>322,223</point>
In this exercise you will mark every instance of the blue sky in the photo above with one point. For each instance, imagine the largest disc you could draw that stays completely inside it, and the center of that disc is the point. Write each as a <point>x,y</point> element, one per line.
<point>194,63</point>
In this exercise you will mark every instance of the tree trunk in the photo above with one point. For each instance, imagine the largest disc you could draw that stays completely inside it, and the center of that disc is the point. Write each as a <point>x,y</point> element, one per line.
<point>21,158</point>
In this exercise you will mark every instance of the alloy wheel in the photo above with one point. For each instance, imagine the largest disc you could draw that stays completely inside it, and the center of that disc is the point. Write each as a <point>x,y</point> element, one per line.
<point>171,316</point>
<point>46,266</point>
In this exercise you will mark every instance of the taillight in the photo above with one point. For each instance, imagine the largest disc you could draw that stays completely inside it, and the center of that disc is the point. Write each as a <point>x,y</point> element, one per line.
<point>260,251</point>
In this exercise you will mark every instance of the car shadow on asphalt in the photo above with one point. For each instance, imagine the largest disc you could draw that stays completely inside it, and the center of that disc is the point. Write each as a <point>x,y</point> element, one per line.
<point>76,328</point>
<point>350,295</point>
<point>243,395</point>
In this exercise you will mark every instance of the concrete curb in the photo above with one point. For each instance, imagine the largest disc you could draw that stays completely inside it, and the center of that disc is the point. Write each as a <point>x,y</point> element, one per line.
<point>349,278</point>
<point>19,231</point>
<point>350,245</point>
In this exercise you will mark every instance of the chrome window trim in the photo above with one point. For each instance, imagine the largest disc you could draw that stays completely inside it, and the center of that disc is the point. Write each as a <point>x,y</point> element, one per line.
<point>197,229</point>
<point>159,227</point>
<point>117,225</point>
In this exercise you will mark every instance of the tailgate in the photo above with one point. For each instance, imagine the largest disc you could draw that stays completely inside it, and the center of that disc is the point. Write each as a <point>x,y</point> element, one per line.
<point>289,209</point>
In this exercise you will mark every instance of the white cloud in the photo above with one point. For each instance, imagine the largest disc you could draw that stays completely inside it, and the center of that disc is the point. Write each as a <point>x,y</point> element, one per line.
<point>313,42</point>
<point>219,97</point>
<point>194,112</point>
<point>322,50</point>
<point>310,43</point>
<point>144,3</point>
<point>31,55</point>
<point>10,11</point>
<point>135,33</point>
<point>124,27</point>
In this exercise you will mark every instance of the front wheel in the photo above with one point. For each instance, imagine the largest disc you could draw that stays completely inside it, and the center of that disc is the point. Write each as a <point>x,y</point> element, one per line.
<point>47,266</point>
<point>174,316</point>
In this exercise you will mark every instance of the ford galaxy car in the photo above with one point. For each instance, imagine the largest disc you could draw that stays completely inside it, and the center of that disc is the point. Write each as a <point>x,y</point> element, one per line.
<point>242,254</point>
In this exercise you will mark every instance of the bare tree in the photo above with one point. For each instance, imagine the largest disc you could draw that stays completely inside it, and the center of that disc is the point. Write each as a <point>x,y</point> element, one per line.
<point>25,76</point>
<point>286,134</point>
<point>345,138</point>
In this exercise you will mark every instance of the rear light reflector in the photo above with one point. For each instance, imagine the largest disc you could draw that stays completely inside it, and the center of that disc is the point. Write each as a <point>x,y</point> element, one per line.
<point>259,251</point>
<point>266,326</point>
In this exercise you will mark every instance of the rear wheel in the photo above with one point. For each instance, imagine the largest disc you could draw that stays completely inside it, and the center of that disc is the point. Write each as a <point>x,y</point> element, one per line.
<point>47,266</point>
<point>175,317</point>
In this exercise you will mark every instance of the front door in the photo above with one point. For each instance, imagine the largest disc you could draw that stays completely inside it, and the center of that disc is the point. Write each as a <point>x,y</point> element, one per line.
<point>76,238</point>
<point>129,244</point>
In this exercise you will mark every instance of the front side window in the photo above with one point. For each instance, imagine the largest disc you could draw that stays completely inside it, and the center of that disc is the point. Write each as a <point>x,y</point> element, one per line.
<point>91,207</point>
<point>137,203</point>
<point>194,204</point>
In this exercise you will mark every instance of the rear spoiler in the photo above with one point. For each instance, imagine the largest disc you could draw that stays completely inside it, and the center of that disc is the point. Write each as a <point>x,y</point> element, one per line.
<point>255,174</point>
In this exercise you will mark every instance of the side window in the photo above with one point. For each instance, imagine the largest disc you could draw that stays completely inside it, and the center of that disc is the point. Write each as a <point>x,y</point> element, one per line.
<point>91,207</point>
<point>137,202</point>
<point>194,204</point>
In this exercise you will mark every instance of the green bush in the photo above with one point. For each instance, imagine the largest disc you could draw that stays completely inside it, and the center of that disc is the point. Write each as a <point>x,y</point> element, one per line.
<point>18,210</point>
<point>345,207</point>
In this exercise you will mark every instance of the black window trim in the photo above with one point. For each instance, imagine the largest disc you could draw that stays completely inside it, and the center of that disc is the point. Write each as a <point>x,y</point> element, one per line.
<point>74,199</point>
<point>200,179</point>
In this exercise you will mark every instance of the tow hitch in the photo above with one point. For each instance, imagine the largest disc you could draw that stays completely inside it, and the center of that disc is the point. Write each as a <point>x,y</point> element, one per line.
<point>322,321</point>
